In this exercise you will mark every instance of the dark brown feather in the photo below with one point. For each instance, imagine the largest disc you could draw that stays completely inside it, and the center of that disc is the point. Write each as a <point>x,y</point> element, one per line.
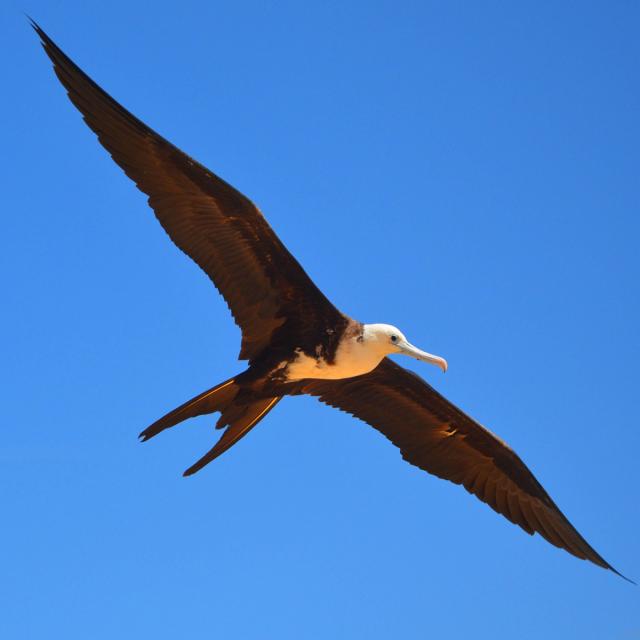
<point>218,398</point>
<point>240,419</point>
<point>436,436</point>
<point>270,296</point>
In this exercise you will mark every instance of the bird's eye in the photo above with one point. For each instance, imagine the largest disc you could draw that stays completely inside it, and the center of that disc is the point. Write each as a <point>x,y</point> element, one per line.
<point>394,339</point>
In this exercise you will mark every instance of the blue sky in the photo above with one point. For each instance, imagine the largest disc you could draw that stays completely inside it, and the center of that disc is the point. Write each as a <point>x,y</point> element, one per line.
<point>466,171</point>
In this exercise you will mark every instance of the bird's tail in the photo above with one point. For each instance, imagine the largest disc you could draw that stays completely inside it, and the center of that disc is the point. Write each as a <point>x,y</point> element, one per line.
<point>239,414</point>
<point>217,398</point>
<point>240,418</point>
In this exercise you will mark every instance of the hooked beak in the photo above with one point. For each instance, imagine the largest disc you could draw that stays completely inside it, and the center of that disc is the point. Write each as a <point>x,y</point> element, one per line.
<point>409,350</point>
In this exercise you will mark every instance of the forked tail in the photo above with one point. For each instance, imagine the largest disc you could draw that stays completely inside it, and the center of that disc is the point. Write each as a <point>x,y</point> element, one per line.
<point>239,414</point>
<point>241,419</point>
<point>217,398</point>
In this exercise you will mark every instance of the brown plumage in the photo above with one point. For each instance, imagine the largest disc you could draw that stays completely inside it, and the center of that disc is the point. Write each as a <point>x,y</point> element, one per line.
<point>436,436</point>
<point>283,317</point>
<point>213,223</point>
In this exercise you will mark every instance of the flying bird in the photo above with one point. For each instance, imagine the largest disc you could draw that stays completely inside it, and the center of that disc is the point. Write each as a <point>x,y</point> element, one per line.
<point>294,339</point>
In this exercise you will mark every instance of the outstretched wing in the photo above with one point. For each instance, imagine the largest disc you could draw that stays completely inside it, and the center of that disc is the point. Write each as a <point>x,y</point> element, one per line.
<point>264,286</point>
<point>436,436</point>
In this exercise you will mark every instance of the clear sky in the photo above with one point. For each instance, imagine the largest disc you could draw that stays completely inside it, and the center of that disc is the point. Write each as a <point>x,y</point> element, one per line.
<point>466,171</point>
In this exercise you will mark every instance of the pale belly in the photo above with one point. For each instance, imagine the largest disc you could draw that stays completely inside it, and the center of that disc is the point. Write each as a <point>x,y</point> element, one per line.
<point>352,360</point>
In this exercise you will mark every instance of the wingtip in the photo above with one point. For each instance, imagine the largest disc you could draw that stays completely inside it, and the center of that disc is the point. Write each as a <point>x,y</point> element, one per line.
<point>34,25</point>
<point>45,40</point>
<point>635,584</point>
<point>605,565</point>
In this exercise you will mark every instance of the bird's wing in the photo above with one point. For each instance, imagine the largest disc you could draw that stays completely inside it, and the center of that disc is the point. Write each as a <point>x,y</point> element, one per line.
<point>213,223</point>
<point>436,436</point>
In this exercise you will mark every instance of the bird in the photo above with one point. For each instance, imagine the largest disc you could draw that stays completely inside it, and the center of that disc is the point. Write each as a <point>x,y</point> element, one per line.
<point>294,339</point>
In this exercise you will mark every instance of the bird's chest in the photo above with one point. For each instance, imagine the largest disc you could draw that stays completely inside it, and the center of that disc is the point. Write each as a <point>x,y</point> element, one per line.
<point>352,358</point>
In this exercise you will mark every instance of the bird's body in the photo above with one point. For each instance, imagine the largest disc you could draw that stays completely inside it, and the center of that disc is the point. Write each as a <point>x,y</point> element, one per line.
<point>359,350</point>
<point>294,339</point>
<point>351,358</point>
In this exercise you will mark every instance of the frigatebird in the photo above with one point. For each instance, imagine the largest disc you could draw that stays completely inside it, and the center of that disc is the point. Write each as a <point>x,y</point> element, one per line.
<point>294,339</point>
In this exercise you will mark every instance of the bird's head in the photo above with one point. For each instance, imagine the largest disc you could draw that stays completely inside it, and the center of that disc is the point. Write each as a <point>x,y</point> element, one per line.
<point>387,339</point>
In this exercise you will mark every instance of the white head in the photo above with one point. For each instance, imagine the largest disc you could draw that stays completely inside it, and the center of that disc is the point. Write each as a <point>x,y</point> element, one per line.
<point>387,339</point>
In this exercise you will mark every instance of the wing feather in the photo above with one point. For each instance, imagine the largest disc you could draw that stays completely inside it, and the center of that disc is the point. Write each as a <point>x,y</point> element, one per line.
<point>264,286</point>
<point>436,436</point>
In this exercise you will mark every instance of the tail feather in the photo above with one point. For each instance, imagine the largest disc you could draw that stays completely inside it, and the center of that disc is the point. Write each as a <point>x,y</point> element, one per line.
<point>241,419</point>
<point>218,398</point>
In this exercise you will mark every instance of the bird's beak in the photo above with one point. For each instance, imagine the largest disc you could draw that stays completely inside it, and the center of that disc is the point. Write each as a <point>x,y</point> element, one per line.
<point>409,350</point>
